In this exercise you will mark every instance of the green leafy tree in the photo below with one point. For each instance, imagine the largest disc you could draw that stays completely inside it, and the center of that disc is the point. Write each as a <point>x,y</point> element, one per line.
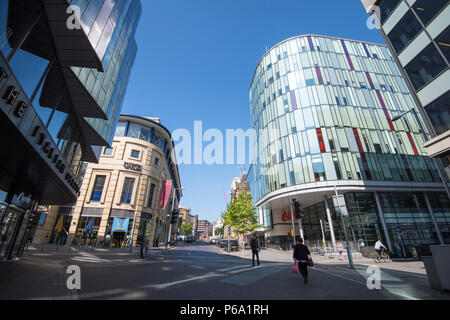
<point>186,228</point>
<point>241,214</point>
<point>219,232</point>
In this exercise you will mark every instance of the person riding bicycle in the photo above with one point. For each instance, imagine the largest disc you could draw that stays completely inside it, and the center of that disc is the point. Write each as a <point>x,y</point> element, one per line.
<point>379,247</point>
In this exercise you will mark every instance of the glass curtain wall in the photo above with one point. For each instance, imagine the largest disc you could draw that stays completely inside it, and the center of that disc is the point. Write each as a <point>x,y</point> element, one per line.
<point>323,107</point>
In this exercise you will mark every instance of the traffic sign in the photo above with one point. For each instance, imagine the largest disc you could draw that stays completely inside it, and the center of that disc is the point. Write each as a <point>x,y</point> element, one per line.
<point>399,230</point>
<point>326,226</point>
<point>339,204</point>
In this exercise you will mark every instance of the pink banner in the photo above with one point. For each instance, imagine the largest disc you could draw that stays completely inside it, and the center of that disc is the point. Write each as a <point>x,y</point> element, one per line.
<point>165,193</point>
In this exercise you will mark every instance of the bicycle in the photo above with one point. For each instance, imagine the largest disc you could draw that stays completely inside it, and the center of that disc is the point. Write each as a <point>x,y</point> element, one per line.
<point>382,256</point>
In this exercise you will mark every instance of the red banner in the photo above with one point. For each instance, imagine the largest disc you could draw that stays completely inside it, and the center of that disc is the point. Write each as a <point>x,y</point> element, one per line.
<point>165,193</point>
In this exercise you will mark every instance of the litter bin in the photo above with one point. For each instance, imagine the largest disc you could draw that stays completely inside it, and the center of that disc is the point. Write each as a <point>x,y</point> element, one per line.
<point>436,266</point>
<point>433,275</point>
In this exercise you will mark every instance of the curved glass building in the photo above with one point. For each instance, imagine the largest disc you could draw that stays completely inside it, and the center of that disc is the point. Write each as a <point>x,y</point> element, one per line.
<point>324,110</point>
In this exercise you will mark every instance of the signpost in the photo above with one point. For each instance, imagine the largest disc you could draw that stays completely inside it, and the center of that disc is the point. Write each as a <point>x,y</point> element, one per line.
<point>292,221</point>
<point>58,230</point>
<point>228,242</point>
<point>339,205</point>
<point>322,223</point>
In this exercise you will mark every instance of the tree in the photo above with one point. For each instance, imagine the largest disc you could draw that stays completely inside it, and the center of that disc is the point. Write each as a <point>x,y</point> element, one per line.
<point>219,232</point>
<point>210,233</point>
<point>241,214</point>
<point>186,228</point>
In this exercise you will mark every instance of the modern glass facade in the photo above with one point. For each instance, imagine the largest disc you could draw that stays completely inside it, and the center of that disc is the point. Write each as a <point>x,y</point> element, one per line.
<point>322,108</point>
<point>418,34</point>
<point>323,111</point>
<point>62,90</point>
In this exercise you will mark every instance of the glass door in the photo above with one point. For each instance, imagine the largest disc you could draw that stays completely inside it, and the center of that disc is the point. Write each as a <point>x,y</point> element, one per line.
<point>8,229</point>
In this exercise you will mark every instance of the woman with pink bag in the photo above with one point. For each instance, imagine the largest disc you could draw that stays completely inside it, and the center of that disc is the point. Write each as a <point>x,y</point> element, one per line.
<point>302,258</point>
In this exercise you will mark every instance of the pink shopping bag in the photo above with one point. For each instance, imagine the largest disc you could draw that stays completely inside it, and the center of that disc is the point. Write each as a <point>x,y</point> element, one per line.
<point>294,269</point>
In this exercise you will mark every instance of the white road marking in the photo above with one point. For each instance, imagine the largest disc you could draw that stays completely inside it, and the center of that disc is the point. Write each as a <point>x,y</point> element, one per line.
<point>166,285</point>
<point>232,268</point>
<point>86,295</point>
<point>246,269</point>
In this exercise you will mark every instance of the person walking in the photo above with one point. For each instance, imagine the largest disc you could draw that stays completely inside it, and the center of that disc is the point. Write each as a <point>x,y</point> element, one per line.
<point>254,245</point>
<point>339,248</point>
<point>302,256</point>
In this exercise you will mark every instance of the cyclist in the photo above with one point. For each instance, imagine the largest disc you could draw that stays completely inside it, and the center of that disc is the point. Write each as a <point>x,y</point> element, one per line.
<point>379,247</point>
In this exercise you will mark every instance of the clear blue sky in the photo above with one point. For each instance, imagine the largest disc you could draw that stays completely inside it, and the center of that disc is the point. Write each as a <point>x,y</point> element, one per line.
<point>196,59</point>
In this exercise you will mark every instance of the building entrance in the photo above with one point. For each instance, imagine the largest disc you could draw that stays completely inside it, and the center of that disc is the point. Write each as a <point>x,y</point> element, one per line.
<point>13,231</point>
<point>118,239</point>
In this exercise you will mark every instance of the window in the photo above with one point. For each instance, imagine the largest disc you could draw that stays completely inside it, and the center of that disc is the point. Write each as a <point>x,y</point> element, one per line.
<point>425,67</point>
<point>443,42</point>
<point>108,151</point>
<point>127,191</point>
<point>121,130</point>
<point>386,8</point>
<point>98,188</point>
<point>439,113</point>
<point>405,31</point>
<point>135,154</point>
<point>150,195</point>
<point>338,101</point>
<point>156,161</point>
<point>427,10</point>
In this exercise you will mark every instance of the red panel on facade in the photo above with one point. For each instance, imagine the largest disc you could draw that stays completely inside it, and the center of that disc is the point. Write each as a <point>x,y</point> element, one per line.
<point>385,110</point>
<point>321,142</point>
<point>412,143</point>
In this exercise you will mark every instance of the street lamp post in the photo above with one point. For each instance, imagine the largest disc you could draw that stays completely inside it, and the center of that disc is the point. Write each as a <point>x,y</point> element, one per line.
<point>292,221</point>
<point>349,250</point>
<point>170,219</point>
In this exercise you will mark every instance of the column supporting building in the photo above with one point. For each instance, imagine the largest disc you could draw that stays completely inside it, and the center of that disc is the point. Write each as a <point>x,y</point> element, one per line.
<point>433,218</point>
<point>330,222</point>
<point>383,223</point>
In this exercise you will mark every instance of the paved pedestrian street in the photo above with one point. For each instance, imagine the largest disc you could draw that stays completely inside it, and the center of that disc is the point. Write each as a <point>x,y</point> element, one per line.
<point>201,271</point>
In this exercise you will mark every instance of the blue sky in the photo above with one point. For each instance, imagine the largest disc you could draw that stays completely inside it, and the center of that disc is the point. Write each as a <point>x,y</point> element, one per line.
<point>196,60</point>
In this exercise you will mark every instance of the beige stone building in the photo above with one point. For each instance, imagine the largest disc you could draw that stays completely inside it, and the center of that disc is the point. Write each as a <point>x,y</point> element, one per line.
<point>127,195</point>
